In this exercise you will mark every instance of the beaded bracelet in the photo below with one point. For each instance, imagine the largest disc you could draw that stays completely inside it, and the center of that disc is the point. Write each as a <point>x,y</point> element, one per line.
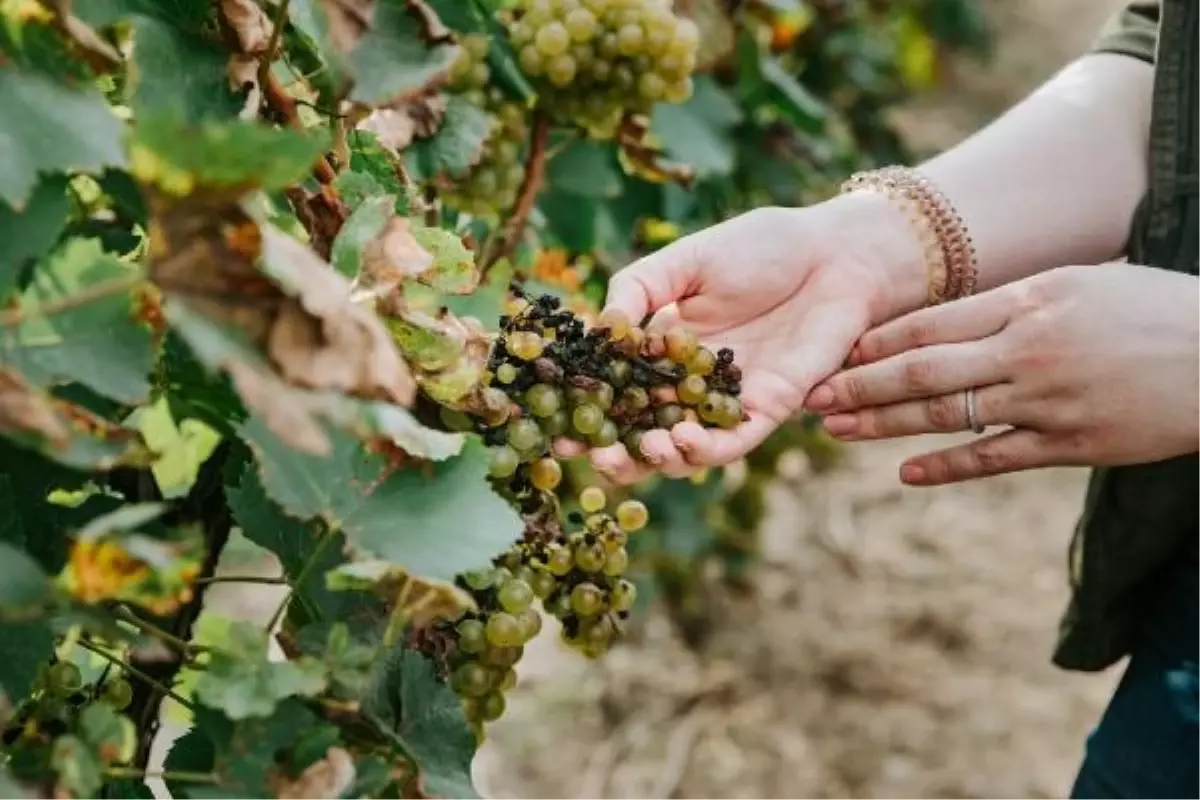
<point>949,252</point>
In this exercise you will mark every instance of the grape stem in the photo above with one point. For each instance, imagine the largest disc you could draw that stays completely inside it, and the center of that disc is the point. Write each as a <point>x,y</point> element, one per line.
<point>278,581</point>
<point>535,170</point>
<point>174,642</point>
<point>137,673</point>
<point>97,291</point>
<point>301,576</point>
<point>164,775</point>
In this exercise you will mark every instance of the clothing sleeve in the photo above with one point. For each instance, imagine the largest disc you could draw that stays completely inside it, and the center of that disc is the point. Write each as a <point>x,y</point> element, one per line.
<point>1132,31</point>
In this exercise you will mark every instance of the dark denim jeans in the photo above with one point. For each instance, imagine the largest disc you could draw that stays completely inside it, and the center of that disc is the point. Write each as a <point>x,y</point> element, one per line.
<point>1147,742</point>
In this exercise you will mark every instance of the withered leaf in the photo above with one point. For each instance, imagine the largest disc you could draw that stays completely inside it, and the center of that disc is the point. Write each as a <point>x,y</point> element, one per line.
<point>25,409</point>
<point>449,354</point>
<point>330,776</point>
<point>419,117</point>
<point>391,257</point>
<point>432,27</point>
<point>348,20</point>
<point>640,157</point>
<point>250,25</point>
<point>100,54</point>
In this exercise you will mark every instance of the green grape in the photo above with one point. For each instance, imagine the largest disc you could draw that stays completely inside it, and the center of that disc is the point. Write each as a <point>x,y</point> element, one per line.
<point>607,435</point>
<point>561,70</point>
<point>552,39</point>
<point>531,60</point>
<point>576,395</point>
<point>614,539</point>
<point>560,606</point>
<point>543,584</point>
<point>584,56</point>
<point>520,33</point>
<point>633,443</point>
<point>587,600</point>
<point>581,24</point>
<point>509,681</point>
<point>616,563</point>
<point>617,323</point>
<point>668,416</point>
<point>679,91</point>
<point>503,461</point>
<point>681,344</point>
<point>702,362</point>
<point>711,409</point>
<point>478,579</point>
<point>542,399</point>
<point>472,679</point>
<point>506,373</point>
<point>591,558</point>
<point>472,636</point>
<point>545,474</point>
<point>477,46</point>
<point>556,424</point>
<point>480,75</point>
<point>599,634</point>
<point>524,572</point>
<point>601,397</point>
<point>455,420</point>
<point>692,390</point>
<point>592,499</point>
<point>623,78</point>
<point>525,345</point>
<point>514,596</point>
<point>629,39</point>
<point>651,87</point>
<point>618,372</point>
<point>491,708</point>
<point>600,72</point>
<point>470,707</point>
<point>524,435</point>
<point>587,419</point>
<point>632,516</point>
<point>503,630</point>
<point>63,678</point>
<point>624,594</point>
<point>503,657</point>
<point>731,412</point>
<point>531,624</point>
<point>560,560</point>
<point>635,398</point>
<point>118,693</point>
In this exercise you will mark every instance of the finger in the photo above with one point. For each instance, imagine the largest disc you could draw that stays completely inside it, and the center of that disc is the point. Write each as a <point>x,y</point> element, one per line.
<point>657,280</point>
<point>974,317</point>
<point>926,372</point>
<point>1010,451</point>
<point>568,448</point>
<point>825,337</point>
<point>658,448</point>
<point>616,464</point>
<point>943,413</point>
<point>713,447</point>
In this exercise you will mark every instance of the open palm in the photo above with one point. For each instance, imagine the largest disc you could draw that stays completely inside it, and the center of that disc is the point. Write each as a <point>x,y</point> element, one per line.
<point>782,289</point>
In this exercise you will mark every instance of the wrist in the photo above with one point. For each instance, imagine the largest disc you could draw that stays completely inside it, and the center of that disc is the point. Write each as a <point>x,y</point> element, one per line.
<point>876,235</point>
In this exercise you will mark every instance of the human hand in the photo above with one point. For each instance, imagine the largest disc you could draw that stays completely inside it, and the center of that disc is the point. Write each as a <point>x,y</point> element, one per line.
<point>1092,365</point>
<point>788,290</point>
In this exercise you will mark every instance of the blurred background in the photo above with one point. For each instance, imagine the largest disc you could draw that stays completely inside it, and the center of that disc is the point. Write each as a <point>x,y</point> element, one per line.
<point>886,642</point>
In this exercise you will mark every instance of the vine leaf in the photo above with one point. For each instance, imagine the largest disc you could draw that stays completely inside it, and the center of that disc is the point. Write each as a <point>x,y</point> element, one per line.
<point>98,343</point>
<point>455,146</point>
<point>48,127</point>
<point>435,521</point>
<point>378,249</point>
<point>41,222</point>
<point>27,645</point>
<point>242,682</point>
<point>698,132</point>
<point>24,587</point>
<point>425,719</point>
<point>453,270</point>
<point>644,158</point>
<point>414,119</point>
<point>448,354</point>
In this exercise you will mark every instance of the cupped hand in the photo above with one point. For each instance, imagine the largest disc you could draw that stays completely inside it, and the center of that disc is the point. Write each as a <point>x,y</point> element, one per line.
<point>1087,366</point>
<point>788,290</point>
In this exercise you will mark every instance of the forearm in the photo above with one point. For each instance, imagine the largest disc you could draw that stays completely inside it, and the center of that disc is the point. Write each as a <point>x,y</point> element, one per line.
<point>1054,181</point>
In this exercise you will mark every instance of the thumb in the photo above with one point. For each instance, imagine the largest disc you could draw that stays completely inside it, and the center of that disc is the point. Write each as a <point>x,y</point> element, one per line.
<point>657,280</point>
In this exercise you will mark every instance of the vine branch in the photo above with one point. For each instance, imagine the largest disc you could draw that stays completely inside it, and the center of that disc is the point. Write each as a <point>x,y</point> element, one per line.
<point>137,673</point>
<point>264,66</point>
<point>535,171</point>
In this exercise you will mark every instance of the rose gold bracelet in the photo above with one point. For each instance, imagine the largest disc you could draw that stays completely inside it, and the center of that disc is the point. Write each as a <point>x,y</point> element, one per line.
<point>949,252</point>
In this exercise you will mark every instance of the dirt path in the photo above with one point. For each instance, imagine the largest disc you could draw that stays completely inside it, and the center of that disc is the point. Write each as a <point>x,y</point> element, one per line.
<point>898,644</point>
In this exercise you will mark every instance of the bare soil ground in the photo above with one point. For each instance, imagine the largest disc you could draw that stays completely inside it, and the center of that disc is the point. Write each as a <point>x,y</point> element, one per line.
<point>898,642</point>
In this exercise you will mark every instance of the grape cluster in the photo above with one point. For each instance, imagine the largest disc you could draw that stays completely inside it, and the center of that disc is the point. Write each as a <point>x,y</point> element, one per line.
<point>577,577</point>
<point>492,185</point>
<point>595,60</point>
<point>54,706</point>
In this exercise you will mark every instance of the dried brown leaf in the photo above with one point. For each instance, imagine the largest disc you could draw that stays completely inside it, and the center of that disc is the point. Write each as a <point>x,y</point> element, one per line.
<point>23,409</point>
<point>432,27</point>
<point>242,74</point>
<point>330,776</point>
<point>348,20</point>
<point>417,118</point>
<point>249,23</point>
<point>391,257</point>
<point>322,213</point>
<point>645,160</point>
<point>99,53</point>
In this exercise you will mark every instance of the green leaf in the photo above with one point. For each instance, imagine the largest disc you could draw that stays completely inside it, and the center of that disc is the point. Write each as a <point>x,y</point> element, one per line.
<point>26,647</point>
<point>40,224</point>
<point>242,682</point>
<point>228,154</point>
<point>98,343</point>
<point>435,521</point>
<point>697,132</point>
<point>394,58</point>
<point>78,765</point>
<point>801,107</point>
<point>458,144</point>
<point>586,169</point>
<point>356,188</point>
<point>476,16</point>
<point>307,550</point>
<point>23,584</point>
<point>179,64</point>
<point>453,270</point>
<point>358,231</point>
<point>181,446</point>
<point>47,127</point>
<point>425,719</point>
<point>679,513</point>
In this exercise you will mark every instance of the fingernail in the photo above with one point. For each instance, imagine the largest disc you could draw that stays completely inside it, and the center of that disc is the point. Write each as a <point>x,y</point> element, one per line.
<point>841,424</point>
<point>912,473</point>
<point>821,398</point>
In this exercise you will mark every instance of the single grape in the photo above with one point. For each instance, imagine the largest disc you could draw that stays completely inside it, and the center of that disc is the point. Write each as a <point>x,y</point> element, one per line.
<point>629,39</point>
<point>503,657</point>
<point>678,91</point>
<point>503,461</point>
<point>524,435</point>
<point>63,678</point>
<point>616,322</point>
<point>587,599</point>
<point>592,499</point>
<point>491,708</point>
<point>542,399</point>
<point>614,539</point>
<point>624,594</point>
<point>601,396</point>
<point>587,419</point>
<point>635,398</point>
<point>515,596</point>
<point>681,344</point>
<point>619,371</point>
<point>591,558</point>
<point>559,560</point>
<point>577,395</point>
<point>531,624</point>
<point>472,636</point>
<point>503,630</point>
<point>525,345</point>
<point>702,362</point>
<point>624,79</point>
<point>608,434</point>
<point>651,87</point>
<point>692,390</point>
<point>711,408</point>
<point>531,60</point>
<point>508,681</point>
<point>633,443</point>
<point>599,634</point>
<point>501,576</point>
<point>552,39</point>
<point>581,24</point>
<point>668,416</point>
<point>616,563</point>
<point>118,693</point>
<point>545,474</point>
<point>472,679</point>
<point>476,46</point>
<point>731,412</point>
<point>543,584</point>
<point>632,515</point>
<point>561,70</point>
<point>478,579</point>
<point>556,424</point>
<point>506,373</point>
<point>455,420</point>
<point>480,75</point>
